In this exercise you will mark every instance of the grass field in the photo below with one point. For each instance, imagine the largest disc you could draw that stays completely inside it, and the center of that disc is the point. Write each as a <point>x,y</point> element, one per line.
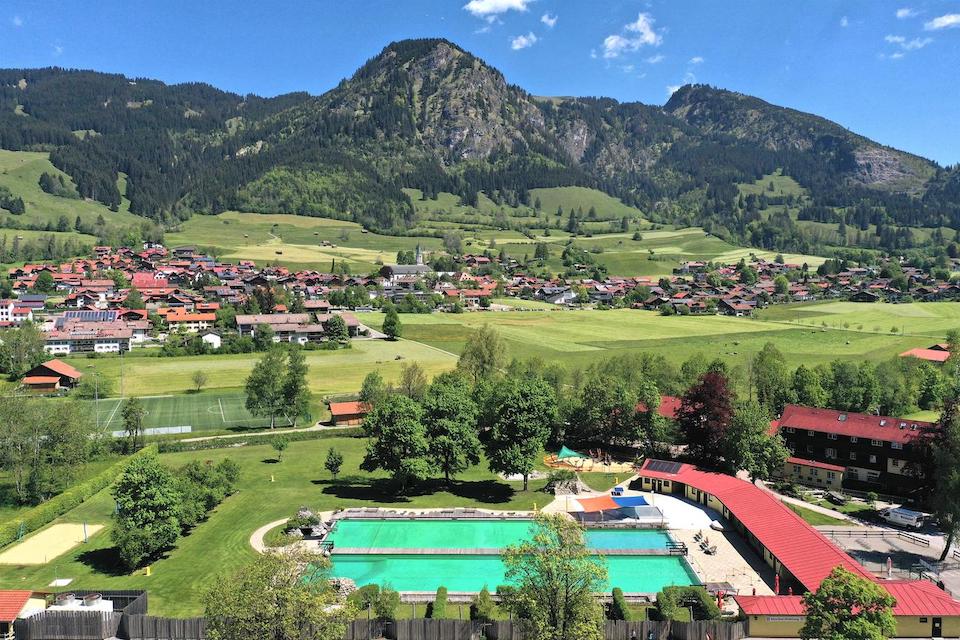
<point>919,319</point>
<point>200,412</point>
<point>330,372</point>
<point>267,491</point>
<point>578,338</point>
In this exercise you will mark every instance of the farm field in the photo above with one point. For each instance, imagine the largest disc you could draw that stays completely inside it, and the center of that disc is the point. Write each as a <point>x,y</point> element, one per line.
<point>267,491</point>
<point>578,338</point>
<point>331,372</point>
<point>918,319</point>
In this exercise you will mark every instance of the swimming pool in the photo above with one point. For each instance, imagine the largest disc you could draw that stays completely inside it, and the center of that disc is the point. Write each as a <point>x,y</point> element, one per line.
<point>473,534</point>
<point>363,552</point>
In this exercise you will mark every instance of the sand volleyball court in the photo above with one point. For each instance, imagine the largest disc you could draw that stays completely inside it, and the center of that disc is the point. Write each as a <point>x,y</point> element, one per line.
<point>47,544</point>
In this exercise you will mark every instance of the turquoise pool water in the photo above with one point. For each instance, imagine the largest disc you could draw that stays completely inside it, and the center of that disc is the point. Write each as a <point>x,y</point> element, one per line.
<point>640,574</point>
<point>427,572</point>
<point>473,534</point>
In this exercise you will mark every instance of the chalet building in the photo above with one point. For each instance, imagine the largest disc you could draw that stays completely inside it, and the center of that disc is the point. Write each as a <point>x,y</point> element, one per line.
<point>13,313</point>
<point>877,452</point>
<point>57,371</point>
<point>247,323</point>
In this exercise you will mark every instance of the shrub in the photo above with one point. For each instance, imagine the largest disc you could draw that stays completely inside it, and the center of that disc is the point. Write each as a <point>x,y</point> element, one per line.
<point>672,599</point>
<point>618,607</point>
<point>481,608</point>
<point>174,445</point>
<point>382,600</point>
<point>438,608</point>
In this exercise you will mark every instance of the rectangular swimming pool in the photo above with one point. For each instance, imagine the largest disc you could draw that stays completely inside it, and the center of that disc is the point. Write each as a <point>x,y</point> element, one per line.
<point>473,534</point>
<point>633,574</point>
<point>471,572</point>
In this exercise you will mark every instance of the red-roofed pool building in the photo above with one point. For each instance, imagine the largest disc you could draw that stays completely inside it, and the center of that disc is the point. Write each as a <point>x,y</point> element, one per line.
<point>798,553</point>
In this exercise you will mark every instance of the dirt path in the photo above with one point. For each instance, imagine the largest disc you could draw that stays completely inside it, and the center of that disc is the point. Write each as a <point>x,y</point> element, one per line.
<point>317,427</point>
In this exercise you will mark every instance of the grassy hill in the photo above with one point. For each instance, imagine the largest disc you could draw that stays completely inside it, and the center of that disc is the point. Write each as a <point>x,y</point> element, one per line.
<point>20,172</point>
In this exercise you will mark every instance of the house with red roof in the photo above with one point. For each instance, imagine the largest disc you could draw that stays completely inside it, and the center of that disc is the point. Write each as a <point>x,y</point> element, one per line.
<point>879,453</point>
<point>348,413</point>
<point>813,473</point>
<point>16,604</point>
<point>52,372</point>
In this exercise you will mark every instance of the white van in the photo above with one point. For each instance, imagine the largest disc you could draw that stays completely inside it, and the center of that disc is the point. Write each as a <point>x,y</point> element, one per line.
<point>903,517</point>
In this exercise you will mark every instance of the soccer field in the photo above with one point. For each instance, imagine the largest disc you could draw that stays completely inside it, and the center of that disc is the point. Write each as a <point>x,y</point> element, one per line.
<point>199,412</point>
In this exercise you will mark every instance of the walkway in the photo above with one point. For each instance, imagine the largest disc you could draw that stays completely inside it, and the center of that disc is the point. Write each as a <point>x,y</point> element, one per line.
<point>256,538</point>
<point>269,432</point>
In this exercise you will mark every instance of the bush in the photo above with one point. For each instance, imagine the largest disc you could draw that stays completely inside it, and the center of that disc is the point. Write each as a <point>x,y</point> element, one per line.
<point>672,600</point>
<point>618,609</point>
<point>482,607</point>
<point>438,608</point>
<point>382,600</point>
<point>44,513</point>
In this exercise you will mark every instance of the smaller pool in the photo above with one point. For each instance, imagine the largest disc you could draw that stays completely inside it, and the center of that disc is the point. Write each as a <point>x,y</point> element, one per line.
<point>356,533</point>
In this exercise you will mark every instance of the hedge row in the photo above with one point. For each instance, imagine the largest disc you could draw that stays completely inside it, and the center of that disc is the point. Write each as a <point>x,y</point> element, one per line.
<point>45,512</point>
<point>673,598</point>
<point>173,446</point>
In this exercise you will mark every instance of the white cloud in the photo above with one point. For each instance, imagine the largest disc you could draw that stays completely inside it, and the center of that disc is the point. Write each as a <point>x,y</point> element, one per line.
<point>548,19</point>
<point>616,45</point>
<point>57,49</point>
<point>696,60</point>
<point>17,21</point>
<point>522,42</point>
<point>844,22</point>
<point>906,12</point>
<point>908,45</point>
<point>490,8</point>
<point>672,89</point>
<point>628,68</point>
<point>943,22</point>
<point>897,55</point>
<point>657,59</point>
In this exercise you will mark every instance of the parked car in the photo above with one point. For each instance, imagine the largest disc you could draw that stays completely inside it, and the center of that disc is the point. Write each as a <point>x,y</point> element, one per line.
<point>837,498</point>
<point>902,517</point>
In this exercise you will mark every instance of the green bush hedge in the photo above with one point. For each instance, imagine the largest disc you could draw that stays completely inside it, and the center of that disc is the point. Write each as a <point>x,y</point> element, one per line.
<point>174,446</point>
<point>44,513</point>
<point>672,600</point>
<point>618,609</point>
<point>438,608</point>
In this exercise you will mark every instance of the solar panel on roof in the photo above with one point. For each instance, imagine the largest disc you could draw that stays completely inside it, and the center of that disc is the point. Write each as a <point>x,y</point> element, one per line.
<point>664,466</point>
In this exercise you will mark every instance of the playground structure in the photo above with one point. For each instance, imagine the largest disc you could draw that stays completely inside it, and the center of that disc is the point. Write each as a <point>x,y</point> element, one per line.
<point>596,461</point>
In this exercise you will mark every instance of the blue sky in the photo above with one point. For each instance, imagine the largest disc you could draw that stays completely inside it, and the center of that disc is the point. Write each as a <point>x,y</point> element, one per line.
<point>888,70</point>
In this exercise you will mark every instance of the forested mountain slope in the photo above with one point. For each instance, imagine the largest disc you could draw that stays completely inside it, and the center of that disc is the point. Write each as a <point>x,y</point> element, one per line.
<point>425,114</point>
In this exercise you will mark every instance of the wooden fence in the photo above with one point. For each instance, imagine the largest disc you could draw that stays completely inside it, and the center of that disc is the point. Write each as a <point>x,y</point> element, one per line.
<point>68,625</point>
<point>140,627</point>
<point>89,625</point>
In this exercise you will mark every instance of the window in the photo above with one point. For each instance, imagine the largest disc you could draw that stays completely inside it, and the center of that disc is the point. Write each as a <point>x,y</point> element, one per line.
<point>872,475</point>
<point>873,459</point>
<point>809,433</point>
<point>853,438</point>
<point>853,455</point>
<point>896,445</point>
<point>831,453</point>
<point>894,462</point>
<point>789,430</point>
<point>831,475</point>
<point>832,436</point>
<point>796,468</point>
<point>877,443</point>
<point>809,449</point>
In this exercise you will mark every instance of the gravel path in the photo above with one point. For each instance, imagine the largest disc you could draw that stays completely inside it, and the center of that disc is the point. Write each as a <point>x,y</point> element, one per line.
<point>256,538</point>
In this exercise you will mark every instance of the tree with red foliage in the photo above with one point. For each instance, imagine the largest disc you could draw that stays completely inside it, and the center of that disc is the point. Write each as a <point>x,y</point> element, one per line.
<point>705,412</point>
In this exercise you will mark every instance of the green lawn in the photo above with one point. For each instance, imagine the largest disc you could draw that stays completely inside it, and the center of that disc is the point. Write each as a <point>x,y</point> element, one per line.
<point>268,491</point>
<point>818,519</point>
<point>330,372</point>
<point>199,411</point>
<point>925,322</point>
<point>578,338</point>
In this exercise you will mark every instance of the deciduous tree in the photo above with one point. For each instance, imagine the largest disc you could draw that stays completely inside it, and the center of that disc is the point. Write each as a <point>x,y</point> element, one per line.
<point>554,577</point>
<point>705,411</point>
<point>848,607</point>
<point>748,445</point>
<point>450,418</point>
<point>519,414</point>
<point>397,441</point>
<point>484,355</point>
<point>147,519</point>
<point>278,596</point>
